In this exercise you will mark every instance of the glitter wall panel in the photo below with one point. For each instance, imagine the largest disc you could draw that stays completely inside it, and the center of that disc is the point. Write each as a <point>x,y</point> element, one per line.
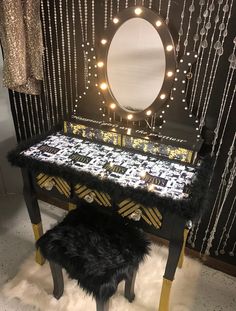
<point>204,26</point>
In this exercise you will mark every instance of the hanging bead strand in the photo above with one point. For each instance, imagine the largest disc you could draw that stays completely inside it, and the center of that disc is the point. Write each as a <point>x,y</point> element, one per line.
<point>47,77</point>
<point>224,231</point>
<point>229,78</point>
<point>168,12</point>
<point>58,60</point>
<point>53,65</point>
<point>223,29</point>
<point>180,32</point>
<point>75,52</point>
<point>199,59</point>
<point>64,56</point>
<point>228,188</point>
<point>69,52</point>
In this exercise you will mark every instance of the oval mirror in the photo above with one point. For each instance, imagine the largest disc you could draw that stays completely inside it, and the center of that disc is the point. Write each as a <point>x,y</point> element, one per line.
<point>136,63</point>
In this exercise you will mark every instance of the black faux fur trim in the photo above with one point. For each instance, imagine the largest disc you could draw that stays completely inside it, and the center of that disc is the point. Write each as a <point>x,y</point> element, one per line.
<point>190,208</point>
<point>97,250</point>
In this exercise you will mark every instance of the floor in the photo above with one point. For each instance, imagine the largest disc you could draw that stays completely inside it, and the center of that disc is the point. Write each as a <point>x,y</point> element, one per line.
<point>212,290</point>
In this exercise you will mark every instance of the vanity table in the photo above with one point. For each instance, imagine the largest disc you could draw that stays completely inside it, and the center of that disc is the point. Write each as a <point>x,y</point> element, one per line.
<point>131,146</point>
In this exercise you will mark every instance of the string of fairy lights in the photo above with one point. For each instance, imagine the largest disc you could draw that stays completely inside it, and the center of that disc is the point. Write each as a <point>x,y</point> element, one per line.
<point>68,24</point>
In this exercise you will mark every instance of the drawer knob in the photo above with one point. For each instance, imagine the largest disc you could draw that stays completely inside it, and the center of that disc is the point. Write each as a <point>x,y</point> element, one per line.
<point>49,185</point>
<point>89,198</point>
<point>136,216</point>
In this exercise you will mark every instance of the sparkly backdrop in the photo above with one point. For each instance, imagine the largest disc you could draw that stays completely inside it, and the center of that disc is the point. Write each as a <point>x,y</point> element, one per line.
<point>206,26</point>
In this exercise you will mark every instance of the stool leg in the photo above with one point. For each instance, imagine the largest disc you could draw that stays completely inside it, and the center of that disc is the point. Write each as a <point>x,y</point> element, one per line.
<point>129,286</point>
<point>181,259</point>
<point>58,282</point>
<point>102,305</point>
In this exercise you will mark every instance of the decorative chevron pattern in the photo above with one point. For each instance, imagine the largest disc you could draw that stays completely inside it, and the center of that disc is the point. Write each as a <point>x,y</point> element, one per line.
<point>151,216</point>
<point>99,197</point>
<point>60,184</point>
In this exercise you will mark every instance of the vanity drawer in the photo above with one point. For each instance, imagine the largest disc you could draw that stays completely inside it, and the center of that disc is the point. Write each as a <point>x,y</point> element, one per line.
<point>91,195</point>
<point>52,185</point>
<point>139,213</point>
<point>144,216</point>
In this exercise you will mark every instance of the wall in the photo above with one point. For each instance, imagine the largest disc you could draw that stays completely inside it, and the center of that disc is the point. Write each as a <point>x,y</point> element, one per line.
<point>10,178</point>
<point>207,27</point>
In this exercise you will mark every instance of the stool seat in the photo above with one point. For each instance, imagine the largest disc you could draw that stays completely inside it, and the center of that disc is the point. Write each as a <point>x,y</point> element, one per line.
<point>98,250</point>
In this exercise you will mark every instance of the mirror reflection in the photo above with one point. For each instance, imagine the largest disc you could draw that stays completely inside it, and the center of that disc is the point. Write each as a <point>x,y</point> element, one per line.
<point>136,65</point>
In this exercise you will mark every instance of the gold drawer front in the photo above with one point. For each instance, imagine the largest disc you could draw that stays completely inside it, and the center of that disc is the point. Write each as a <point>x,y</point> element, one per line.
<point>53,184</point>
<point>90,195</point>
<point>136,212</point>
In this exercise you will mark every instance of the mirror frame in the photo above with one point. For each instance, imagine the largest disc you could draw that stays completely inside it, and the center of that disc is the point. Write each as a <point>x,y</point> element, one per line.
<point>169,48</point>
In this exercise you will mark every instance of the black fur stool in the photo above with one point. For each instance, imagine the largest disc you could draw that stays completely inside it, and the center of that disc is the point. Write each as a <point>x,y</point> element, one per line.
<point>97,250</point>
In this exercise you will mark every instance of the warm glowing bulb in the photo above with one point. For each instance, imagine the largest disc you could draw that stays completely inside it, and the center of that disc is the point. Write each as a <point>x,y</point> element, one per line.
<point>169,48</point>
<point>115,20</point>
<point>103,86</point>
<point>130,116</point>
<point>103,41</point>
<point>158,23</point>
<point>169,73</point>
<point>138,11</point>
<point>112,105</point>
<point>163,96</point>
<point>100,64</point>
<point>149,112</point>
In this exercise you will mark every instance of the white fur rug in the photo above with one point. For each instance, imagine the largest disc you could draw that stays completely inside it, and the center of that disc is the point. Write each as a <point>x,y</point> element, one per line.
<point>193,289</point>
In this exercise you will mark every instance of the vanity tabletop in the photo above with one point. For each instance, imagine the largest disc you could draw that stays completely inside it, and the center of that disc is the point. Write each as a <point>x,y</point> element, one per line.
<point>147,179</point>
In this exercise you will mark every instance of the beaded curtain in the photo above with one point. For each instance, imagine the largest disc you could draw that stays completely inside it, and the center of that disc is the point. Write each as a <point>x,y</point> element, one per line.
<point>205,26</point>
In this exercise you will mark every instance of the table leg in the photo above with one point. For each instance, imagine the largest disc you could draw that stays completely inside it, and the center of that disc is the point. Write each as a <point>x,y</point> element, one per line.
<point>175,248</point>
<point>33,210</point>
<point>181,259</point>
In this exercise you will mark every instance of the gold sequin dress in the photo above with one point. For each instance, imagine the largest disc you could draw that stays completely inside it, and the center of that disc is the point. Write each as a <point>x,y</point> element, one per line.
<point>21,40</point>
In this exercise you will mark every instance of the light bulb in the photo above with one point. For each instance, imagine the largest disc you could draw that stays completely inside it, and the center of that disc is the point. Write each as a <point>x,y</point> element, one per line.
<point>112,105</point>
<point>138,11</point>
<point>103,41</point>
<point>163,96</point>
<point>149,112</point>
<point>158,23</point>
<point>169,48</point>
<point>169,73</point>
<point>103,86</point>
<point>100,64</point>
<point>115,20</point>
<point>130,117</point>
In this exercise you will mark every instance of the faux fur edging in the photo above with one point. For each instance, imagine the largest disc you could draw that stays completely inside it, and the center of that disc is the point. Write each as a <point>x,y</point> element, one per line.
<point>190,208</point>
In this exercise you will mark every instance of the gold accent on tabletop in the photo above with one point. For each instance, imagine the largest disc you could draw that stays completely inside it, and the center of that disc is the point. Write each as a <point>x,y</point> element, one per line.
<point>181,257</point>
<point>165,295</point>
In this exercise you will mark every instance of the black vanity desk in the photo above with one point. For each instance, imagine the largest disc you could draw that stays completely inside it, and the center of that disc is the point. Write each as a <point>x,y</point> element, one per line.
<point>142,187</point>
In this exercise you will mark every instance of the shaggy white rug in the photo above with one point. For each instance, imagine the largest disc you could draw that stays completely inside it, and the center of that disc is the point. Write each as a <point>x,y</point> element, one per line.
<point>191,291</point>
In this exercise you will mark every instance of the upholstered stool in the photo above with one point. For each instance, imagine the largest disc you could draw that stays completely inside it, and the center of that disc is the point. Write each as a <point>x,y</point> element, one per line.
<point>97,250</point>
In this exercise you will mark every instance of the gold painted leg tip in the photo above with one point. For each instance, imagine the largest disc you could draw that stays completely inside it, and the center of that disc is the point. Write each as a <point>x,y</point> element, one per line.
<point>165,295</point>
<point>39,258</point>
